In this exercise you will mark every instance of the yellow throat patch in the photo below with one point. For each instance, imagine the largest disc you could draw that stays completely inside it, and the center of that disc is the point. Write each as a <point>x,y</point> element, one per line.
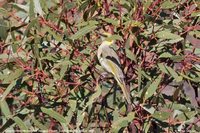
<point>109,41</point>
<point>107,38</point>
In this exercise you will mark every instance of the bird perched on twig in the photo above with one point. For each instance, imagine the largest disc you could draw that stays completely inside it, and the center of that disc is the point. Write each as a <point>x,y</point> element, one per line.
<point>109,60</point>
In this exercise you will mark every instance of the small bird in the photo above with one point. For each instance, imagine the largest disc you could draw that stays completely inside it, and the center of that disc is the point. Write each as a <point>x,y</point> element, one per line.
<point>109,60</point>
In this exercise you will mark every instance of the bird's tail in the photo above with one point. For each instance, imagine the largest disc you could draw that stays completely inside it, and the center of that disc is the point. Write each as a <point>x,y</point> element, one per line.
<point>122,85</point>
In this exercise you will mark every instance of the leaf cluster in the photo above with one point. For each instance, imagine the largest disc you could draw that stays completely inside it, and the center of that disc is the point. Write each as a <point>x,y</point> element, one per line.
<point>50,78</point>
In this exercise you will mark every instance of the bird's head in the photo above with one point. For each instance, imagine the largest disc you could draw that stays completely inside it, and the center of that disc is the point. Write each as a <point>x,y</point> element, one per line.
<point>106,38</point>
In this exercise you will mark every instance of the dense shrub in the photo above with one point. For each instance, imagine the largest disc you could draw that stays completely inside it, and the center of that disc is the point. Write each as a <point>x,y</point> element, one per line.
<point>50,78</point>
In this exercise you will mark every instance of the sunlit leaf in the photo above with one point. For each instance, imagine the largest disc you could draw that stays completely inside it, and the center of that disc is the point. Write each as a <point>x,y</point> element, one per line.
<point>12,76</point>
<point>168,4</point>
<point>70,5</point>
<point>30,25</point>
<point>84,5</point>
<point>83,31</point>
<point>21,124</point>
<point>123,122</point>
<point>53,114</point>
<point>161,115</point>
<point>186,116</point>
<point>24,8</point>
<point>111,21</point>
<point>166,34</point>
<point>165,55</point>
<point>168,70</point>
<point>8,89</point>
<point>173,73</point>
<point>130,55</point>
<point>31,10</point>
<point>3,29</point>
<point>5,109</point>
<point>39,124</point>
<point>149,109</point>
<point>152,88</point>
<point>38,8</point>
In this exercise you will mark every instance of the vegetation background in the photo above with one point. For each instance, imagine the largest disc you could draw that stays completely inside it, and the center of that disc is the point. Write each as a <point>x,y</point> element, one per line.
<point>50,76</point>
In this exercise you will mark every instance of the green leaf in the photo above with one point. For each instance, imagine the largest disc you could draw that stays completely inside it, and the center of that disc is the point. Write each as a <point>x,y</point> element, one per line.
<point>3,29</point>
<point>166,34</point>
<point>54,114</point>
<point>93,96</point>
<point>86,23</point>
<point>168,4</point>
<point>180,107</point>
<point>149,109</point>
<point>80,117</point>
<point>177,58</point>
<point>38,124</point>
<point>83,31</point>
<point>64,67</point>
<point>146,76</point>
<point>8,89</point>
<point>161,115</point>
<point>132,23</point>
<point>165,55</point>
<point>147,125</point>
<point>30,25</point>
<point>70,5</point>
<point>69,115</point>
<point>31,10</point>
<point>173,73</point>
<point>20,7</point>
<point>186,115</point>
<point>3,11</point>
<point>84,5</point>
<point>163,68</point>
<point>25,111</point>
<point>14,75</point>
<point>111,21</point>
<point>196,13</point>
<point>21,124</point>
<point>55,35</point>
<point>189,78</point>
<point>116,114</point>
<point>43,4</point>
<point>171,41</point>
<point>168,70</point>
<point>38,8</point>
<point>152,88</point>
<point>130,55</point>
<point>146,5</point>
<point>73,104</point>
<point>5,109</point>
<point>123,122</point>
<point>84,66</point>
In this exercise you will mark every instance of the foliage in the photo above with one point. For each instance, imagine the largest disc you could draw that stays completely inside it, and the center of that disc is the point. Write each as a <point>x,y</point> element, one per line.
<point>50,78</point>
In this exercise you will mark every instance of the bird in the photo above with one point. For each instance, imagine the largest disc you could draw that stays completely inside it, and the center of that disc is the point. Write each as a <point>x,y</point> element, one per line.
<point>109,60</point>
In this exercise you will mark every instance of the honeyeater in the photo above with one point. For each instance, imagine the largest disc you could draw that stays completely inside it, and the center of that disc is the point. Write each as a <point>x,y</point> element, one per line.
<point>109,60</point>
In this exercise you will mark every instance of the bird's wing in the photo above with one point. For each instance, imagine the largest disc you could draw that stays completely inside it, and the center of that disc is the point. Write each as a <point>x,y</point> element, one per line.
<point>109,63</point>
<point>110,53</point>
<point>113,68</point>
